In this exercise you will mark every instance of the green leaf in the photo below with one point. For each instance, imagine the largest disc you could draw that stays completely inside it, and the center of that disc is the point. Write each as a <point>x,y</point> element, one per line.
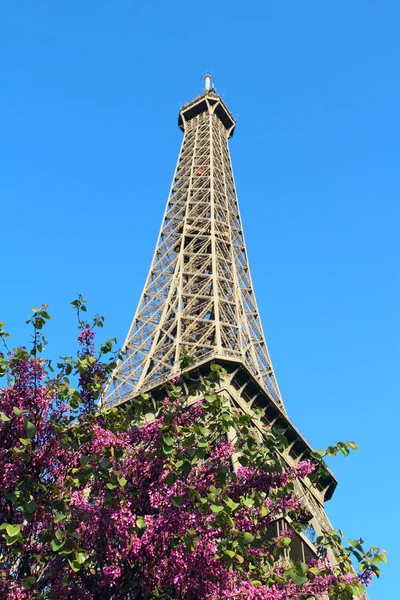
<point>317,455</point>
<point>343,448</point>
<point>352,445</point>
<point>59,517</point>
<point>256,583</point>
<point>12,530</point>
<point>140,523</point>
<point>57,544</point>
<point>28,582</point>
<point>332,450</point>
<point>3,417</point>
<point>296,578</point>
<point>171,478</point>
<point>75,566</point>
<point>246,537</point>
<point>232,505</point>
<point>30,428</point>
<point>249,502</point>
<point>186,468</point>
<point>17,411</point>
<point>11,540</point>
<point>287,540</point>
<point>168,440</point>
<point>111,486</point>
<point>84,460</point>
<point>178,500</point>
<point>279,430</point>
<point>30,507</point>
<point>122,481</point>
<point>81,557</point>
<point>302,568</point>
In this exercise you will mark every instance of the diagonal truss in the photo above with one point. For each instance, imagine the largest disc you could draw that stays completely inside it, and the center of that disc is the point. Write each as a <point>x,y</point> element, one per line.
<point>198,296</point>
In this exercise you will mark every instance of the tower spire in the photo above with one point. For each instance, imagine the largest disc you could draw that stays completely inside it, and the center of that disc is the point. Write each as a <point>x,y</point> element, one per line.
<point>207,81</point>
<point>198,296</point>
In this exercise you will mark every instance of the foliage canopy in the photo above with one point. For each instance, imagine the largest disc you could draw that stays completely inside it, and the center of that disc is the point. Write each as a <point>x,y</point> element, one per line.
<point>167,500</point>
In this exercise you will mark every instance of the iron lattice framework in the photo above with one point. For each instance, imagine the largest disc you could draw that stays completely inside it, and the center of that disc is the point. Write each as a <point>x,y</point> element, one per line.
<point>198,296</point>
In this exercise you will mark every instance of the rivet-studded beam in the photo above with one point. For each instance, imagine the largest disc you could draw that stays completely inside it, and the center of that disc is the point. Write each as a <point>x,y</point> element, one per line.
<point>198,296</point>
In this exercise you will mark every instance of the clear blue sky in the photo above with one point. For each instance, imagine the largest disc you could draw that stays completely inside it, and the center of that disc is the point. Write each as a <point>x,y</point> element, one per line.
<point>90,93</point>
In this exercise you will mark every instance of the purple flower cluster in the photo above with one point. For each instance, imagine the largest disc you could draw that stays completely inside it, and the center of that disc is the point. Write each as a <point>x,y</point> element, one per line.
<point>86,339</point>
<point>365,577</point>
<point>105,506</point>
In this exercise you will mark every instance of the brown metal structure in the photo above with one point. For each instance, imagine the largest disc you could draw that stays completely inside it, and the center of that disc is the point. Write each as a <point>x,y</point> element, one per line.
<point>199,297</point>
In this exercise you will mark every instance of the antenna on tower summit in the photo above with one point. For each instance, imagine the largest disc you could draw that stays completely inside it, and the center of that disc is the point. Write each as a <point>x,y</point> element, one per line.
<point>208,81</point>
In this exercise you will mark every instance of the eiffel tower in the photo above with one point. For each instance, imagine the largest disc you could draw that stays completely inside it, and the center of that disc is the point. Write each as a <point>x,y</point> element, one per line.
<point>198,295</point>
<point>199,298</point>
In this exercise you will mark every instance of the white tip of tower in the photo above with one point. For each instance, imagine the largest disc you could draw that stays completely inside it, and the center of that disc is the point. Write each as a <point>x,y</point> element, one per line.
<point>208,78</point>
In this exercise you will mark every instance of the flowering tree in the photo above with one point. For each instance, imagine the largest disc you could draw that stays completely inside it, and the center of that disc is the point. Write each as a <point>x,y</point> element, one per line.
<point>144,500</point>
